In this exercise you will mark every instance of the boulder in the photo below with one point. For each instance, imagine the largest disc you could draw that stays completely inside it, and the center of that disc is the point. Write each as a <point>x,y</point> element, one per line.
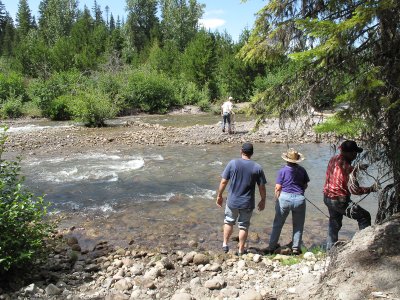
<point>52,290</point>
<point>200,259</point>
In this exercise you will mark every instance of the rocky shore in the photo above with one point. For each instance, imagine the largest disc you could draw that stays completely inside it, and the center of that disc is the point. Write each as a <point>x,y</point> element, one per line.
<point>365,268</point>
<point>131,132</point>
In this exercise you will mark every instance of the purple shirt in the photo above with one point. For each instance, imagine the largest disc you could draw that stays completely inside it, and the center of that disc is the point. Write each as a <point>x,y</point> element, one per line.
<point>292,178</point>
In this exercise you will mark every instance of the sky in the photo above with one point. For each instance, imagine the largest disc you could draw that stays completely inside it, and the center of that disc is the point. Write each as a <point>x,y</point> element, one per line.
<point>230,15</point>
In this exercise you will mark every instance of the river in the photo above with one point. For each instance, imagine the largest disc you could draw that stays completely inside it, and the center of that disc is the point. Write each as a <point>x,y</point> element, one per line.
<point>165,196</point>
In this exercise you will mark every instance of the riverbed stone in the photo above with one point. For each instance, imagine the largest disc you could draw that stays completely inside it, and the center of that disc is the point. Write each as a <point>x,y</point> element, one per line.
<point>200,259</point>
<point>52,290</point>
<point>251,295</point>
<point>137,269</point>
<point>215,283</point>
<point>182,296</point>
<point>72,240</point>
<point>309,256</point>
<point>123,285</point>
<point>31,289</point>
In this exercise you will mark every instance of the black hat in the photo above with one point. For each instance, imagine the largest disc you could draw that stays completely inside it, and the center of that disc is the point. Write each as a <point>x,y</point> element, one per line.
<point>248,148</point>
<point>350,146</point>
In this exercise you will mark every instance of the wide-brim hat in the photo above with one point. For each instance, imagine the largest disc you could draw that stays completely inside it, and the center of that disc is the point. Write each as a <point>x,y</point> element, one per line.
<point>292,156</point>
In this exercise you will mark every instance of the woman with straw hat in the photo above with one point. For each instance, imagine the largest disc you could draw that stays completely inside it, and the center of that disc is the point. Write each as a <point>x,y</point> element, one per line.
<point>291,182</point>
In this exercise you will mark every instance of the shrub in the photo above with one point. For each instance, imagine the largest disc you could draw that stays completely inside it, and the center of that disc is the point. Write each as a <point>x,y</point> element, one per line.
<point>11,85</point>
<point>12,108</point>
<point>22,225</point>
<point>188,93</point>
<point>150,92</point>
<point>59,108</point>
<point>31,109</point>
<point>44,92</point>
<point>92,108</point>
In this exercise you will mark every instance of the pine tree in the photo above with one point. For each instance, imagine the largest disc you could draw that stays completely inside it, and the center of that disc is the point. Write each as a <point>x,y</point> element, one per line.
<point>347,52</point>
<point>112,23</point>
<point>8,36</point>
<point>24,19</point>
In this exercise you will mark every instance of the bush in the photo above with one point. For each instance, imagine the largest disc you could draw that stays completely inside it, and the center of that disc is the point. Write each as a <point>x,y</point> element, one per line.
<point>11,85</point>
<point>44,92</point>
<point>31,109</point>
<point>22,225</point>
<point>92,108</point>
<point>59,108</point>
<point>188,93</point>
<point>150,92</point>
<point>12,108</point>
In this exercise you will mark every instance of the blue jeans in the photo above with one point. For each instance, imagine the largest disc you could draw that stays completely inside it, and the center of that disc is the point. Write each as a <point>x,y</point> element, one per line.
<point>226,120</point>
<point>289,202</point>
<point>337,209</point>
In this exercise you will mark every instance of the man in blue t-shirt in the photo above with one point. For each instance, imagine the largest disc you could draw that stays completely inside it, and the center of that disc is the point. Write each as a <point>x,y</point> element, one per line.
<point>243,175</point>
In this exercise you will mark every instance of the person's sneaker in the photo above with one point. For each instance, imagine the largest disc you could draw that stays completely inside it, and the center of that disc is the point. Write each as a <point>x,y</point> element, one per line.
<point>296,251</point>
<point>223,129</point>
<point>225,249</point>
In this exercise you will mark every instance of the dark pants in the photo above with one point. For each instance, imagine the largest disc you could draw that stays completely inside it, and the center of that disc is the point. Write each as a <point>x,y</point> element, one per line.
<point>339,208</point>
<point>226,120</point>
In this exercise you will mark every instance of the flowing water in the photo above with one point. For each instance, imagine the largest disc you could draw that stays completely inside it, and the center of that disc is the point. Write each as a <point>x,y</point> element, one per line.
<point>165,196</point>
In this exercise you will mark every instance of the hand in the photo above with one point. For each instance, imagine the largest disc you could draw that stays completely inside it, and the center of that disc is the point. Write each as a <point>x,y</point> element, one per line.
<point>374,188</point>
<point>220,200</point>
<point>364,167</point>
<point>261,205</point>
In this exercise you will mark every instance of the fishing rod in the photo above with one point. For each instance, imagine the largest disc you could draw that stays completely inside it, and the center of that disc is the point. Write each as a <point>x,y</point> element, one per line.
<point>317,207</point>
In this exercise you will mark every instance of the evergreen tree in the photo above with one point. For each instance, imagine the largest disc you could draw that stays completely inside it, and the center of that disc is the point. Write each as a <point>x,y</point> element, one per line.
<point>112,23</point>
<point>56,18</point>
<point>24,19</point>
<point>97,13</point>
<point>142,22</point>
<point>346,49</point>
<point>180,20</point>
<point>8,36</point>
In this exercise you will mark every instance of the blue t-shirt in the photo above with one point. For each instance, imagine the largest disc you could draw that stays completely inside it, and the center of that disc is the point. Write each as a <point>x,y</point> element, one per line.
<point>292,178</point>
<point>243,175</point>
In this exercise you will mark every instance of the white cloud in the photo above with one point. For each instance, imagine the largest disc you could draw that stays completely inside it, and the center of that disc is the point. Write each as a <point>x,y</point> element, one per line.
<point>212,23</point>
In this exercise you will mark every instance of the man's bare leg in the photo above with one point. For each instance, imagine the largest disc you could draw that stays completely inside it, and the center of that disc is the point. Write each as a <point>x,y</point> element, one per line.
<point>228,229</point>
<point>242,239</point>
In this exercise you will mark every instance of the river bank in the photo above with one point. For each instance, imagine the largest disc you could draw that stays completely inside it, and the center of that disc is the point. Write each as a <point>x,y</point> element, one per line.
<point>131,131</point>
<point>365,268</point>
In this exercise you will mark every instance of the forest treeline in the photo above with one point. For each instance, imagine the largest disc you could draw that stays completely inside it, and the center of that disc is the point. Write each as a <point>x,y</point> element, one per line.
<point>89,65</point>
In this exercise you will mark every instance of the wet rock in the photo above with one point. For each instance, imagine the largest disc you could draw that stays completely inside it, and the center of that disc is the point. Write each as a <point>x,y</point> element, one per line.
<point>52,290</point>
<point>200,259</point>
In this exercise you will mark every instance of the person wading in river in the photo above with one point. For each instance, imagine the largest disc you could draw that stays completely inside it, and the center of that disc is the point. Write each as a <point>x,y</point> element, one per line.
<point>291,182</point>
<point>226,112</point>
<point>337,191</point>
<point>243,175</point>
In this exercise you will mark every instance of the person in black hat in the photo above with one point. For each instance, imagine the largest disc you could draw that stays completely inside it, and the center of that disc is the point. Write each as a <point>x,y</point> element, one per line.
<point>243,174</point>
<point>337,191</point>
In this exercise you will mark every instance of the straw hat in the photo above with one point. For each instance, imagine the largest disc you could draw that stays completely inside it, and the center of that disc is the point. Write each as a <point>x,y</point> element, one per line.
<point>292,156</point>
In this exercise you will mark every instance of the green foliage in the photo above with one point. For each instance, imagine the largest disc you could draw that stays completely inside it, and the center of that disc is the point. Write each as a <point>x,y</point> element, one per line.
<point>350,127</point>
<point>22,225</point>
<point>290,261</point>
<point>59,108</point>
<point>44,92</point>
<point>11,85</point>
<point>12,108</point>
<point>93,108</point>
<point>150,92</point>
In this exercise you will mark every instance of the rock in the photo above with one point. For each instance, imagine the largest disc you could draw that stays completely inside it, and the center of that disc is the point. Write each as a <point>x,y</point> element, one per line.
<point>309,256</point>
<point>52,290</point>
<point>72,241</point>
<point>281,257</point>
<point>188,258</point>
<point>127,262</point>
<point>292,290</point>
<point>200,259</point>
<point>257,258</point>
<point>117,296</point>
<point>123,285</point>
<point>76,247</point>
<point>241,264</point>
<point>92,268</point>
<point>251,295</point>
<point>31,289</point>
<point>120,251</point>
<point>120,274</point>
<point>118,263</point>
<point>215,283</point>
<point>137,269</point>
<point>165,263</point>
<point>195,282</point>
<point>215,267</point>
<point>229,293</point>
<point>181,296</point>
<point>153,273</point>
<point>193,244</point>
